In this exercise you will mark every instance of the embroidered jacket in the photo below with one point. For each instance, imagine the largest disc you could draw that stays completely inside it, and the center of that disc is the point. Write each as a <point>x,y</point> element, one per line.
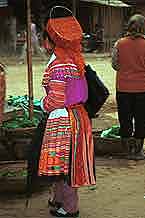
<point>63,85</point>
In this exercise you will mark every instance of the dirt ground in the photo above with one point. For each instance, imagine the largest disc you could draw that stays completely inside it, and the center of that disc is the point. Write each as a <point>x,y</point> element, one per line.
<point>120,186</point>
<point>119,193</point>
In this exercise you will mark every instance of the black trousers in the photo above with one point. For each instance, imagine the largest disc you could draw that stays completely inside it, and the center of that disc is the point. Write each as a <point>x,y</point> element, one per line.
<point>131,114</point>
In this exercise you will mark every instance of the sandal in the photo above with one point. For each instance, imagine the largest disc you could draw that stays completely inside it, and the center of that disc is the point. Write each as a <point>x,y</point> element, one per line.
<point>62,213</point>
<point>53,203</point>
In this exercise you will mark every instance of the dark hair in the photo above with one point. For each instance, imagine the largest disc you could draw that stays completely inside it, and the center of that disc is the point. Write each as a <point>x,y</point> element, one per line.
<point>46,35</point>
<point>136,25</point>
<point>59,11</point>
<point>55,12</point>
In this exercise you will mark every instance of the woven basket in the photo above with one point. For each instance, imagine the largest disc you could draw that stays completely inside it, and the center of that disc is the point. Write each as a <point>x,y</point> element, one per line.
<point>20,140</point>
<point>107,146</point>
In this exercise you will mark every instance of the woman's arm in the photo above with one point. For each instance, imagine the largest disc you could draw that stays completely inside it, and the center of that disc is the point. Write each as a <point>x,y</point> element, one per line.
<point>115,57</point>
<point>55,89</point>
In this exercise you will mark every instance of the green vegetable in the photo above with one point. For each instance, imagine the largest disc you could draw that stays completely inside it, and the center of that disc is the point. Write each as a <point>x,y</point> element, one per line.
<point>23,120</point>
<point>112,132</point>
<point>7,173</point>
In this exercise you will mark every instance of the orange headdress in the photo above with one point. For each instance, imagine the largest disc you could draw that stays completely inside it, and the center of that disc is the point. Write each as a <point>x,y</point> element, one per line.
<point>66,32</point>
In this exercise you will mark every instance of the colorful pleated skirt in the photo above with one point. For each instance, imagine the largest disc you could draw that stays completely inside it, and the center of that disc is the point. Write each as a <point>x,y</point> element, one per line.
<point>67,146</point>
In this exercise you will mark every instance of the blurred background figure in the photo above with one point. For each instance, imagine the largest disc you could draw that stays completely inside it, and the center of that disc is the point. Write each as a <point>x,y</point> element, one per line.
<point>36,48</point>
<point>99,30</point>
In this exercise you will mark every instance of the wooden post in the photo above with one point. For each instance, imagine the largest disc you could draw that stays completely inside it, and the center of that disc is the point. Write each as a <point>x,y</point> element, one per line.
<point>74,8</point>
<point>110,26</point>
<point>29,60</point>
<point>2,92</point>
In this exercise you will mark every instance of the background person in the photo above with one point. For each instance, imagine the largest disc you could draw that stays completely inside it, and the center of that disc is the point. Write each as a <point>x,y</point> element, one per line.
<point>36,48</point>
<point>128,59</point>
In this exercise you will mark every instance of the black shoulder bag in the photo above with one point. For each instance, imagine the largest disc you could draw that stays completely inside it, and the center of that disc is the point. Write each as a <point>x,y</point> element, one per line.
<point>97,92</point>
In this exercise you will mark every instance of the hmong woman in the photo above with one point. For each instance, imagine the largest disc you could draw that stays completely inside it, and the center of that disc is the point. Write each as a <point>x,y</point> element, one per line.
<point>128,59</point>
<point>67,146</point>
